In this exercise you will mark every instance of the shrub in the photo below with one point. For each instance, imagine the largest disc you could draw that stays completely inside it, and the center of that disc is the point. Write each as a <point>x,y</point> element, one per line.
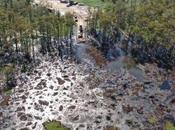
<point>54,125</point>
<point>97,55</point>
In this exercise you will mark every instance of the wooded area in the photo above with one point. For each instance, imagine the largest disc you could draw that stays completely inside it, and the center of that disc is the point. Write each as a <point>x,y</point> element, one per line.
<point>149,25</point>
<point>26,27</point>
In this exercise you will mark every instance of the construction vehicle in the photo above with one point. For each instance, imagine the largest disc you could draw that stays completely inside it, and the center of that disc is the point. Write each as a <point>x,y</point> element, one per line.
<point>81,38</point>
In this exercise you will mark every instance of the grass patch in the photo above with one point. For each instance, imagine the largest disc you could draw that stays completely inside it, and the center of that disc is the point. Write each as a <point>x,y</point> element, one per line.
<point>169,126</point>
<point>111,128</point>
<point>99,3</point>
<point>54,125</point>
<point>152,120</point>
<point>93,3</point>
<point>8,92</point>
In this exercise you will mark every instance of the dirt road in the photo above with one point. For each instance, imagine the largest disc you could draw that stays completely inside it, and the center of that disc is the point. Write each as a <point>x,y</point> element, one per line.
<point>81,12</point>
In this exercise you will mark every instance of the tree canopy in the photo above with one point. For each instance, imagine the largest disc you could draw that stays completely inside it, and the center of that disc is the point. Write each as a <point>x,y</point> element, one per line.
<point>150,23</point>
